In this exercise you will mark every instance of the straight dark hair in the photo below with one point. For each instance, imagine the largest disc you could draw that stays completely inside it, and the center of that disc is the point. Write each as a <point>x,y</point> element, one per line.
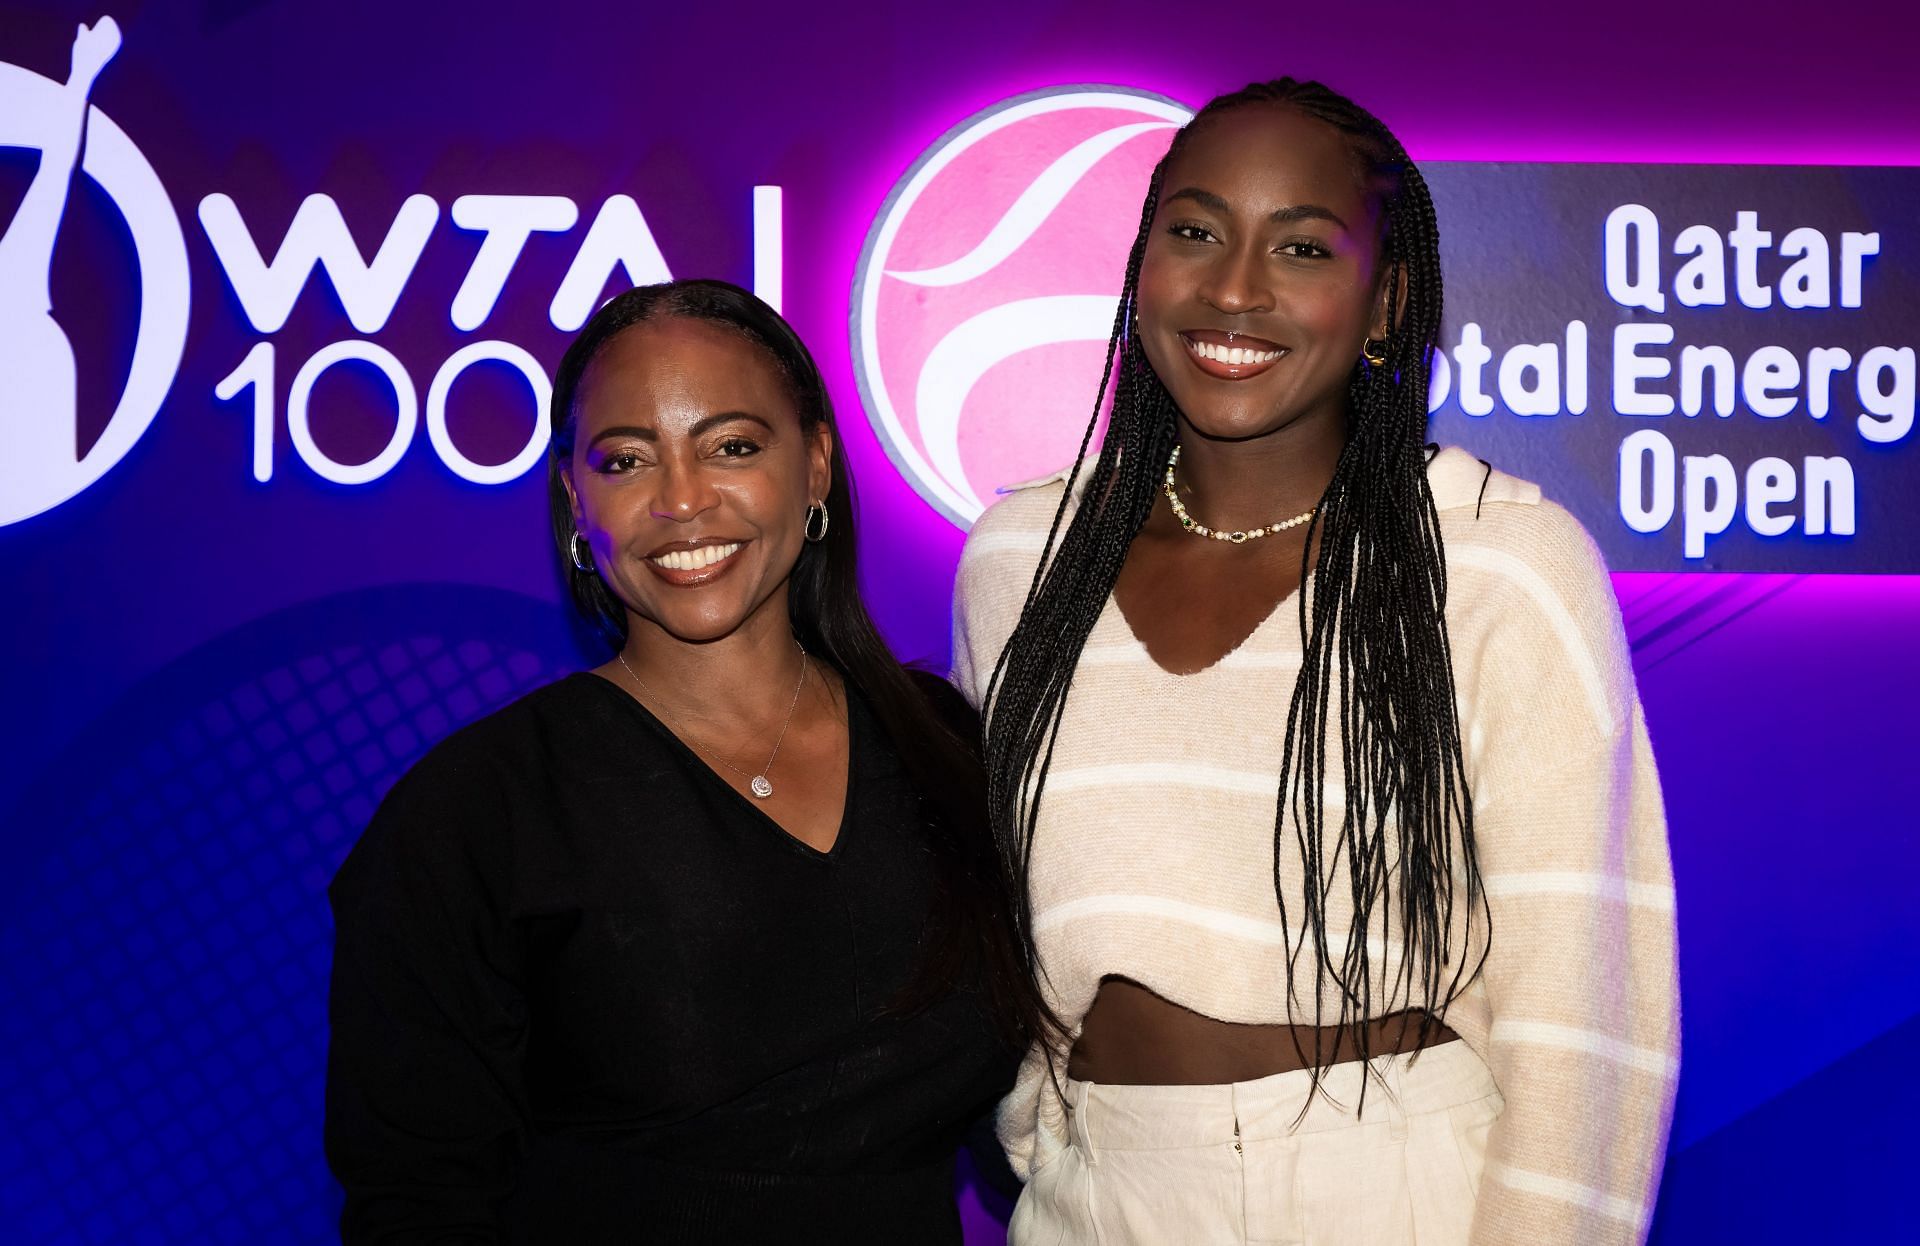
<point>971,934</point>
<point>1372,626</point>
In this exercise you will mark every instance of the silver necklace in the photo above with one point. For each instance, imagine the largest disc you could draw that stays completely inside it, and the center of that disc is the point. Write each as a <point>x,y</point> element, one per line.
<point>1199,529</point>
<point>759,784</point>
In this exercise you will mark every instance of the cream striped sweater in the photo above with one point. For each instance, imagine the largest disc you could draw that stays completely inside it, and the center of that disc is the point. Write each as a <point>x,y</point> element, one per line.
<point>1154,855</point>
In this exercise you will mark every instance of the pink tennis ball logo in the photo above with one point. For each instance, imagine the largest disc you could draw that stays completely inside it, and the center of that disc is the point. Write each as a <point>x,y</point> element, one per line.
<point>986,291</point>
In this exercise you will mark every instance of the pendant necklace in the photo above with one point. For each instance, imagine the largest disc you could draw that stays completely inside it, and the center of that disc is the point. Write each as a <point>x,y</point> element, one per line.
<point>759,784</point>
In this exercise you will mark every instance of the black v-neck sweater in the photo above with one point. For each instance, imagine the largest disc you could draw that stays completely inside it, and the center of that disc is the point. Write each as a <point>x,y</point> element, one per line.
<point>585,991</point>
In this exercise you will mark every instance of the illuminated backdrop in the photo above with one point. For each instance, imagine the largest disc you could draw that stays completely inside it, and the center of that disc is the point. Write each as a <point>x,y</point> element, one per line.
<point>292,547</point>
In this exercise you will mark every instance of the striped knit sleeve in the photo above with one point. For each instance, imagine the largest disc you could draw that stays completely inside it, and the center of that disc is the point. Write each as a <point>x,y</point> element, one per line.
<point>996,569</point>
<point>1581,978</point>
<point>967,674</point>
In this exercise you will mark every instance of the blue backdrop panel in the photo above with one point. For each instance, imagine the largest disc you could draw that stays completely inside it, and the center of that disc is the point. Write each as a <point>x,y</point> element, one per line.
<point>167,941</point>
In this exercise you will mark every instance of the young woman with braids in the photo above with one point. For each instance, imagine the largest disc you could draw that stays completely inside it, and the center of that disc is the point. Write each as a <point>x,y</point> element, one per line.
<point>706,945</point>
<point>1317,755</point>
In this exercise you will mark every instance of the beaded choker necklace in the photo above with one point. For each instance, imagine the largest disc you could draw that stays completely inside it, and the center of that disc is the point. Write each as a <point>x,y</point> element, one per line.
<point>1199,529</point>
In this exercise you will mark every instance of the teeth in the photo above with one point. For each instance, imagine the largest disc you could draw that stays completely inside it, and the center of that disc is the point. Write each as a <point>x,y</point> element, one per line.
<point>1232,355</point>
<point>695,559</point>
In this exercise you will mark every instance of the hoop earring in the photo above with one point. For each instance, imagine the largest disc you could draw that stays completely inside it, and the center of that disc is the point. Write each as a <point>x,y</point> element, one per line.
<point>1374,351</point>
<point>818,508</point>
<point>574,551</point>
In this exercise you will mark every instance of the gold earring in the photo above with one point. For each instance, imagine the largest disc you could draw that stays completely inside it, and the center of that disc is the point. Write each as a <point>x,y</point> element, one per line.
<point>1374,351</point>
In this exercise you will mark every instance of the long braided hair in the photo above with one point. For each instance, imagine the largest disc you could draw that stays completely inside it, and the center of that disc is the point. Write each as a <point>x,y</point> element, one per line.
<point>1376,680</point>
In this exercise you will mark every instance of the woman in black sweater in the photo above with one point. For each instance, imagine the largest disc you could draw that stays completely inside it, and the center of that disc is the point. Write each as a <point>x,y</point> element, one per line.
<point>709,944</point>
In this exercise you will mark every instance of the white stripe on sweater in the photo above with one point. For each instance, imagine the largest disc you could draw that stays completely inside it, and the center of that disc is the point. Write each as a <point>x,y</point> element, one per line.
<point>1219,921</point>
<point>1171,774</point>
<point>1561,1190</point>
<point>1590,886</point>
<point>1589,1042</point>
<point>1165,774</point>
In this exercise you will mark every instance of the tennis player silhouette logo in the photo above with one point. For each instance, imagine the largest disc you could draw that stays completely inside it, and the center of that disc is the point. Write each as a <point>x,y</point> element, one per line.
<point>986,292</point>
<point>42,463</point>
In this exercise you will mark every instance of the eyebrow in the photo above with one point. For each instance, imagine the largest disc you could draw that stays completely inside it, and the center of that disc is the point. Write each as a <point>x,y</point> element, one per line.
<point>1282,216</point>
<point>702,425</point>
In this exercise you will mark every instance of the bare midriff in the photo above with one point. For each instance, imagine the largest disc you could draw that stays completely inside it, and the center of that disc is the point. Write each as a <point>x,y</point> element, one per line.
<point>1133,1037</point>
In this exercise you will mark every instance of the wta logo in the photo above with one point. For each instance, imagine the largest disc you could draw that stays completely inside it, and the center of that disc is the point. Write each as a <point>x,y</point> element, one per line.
<point>42,462</point>
<point>986,291</point>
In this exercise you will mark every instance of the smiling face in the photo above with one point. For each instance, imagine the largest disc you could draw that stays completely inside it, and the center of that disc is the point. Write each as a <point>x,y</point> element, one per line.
<point>1260,280</point>
<point>691,476</point>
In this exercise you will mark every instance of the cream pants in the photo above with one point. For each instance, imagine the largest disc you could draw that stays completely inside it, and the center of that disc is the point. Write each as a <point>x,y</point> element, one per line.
<point>1207,1165</point>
